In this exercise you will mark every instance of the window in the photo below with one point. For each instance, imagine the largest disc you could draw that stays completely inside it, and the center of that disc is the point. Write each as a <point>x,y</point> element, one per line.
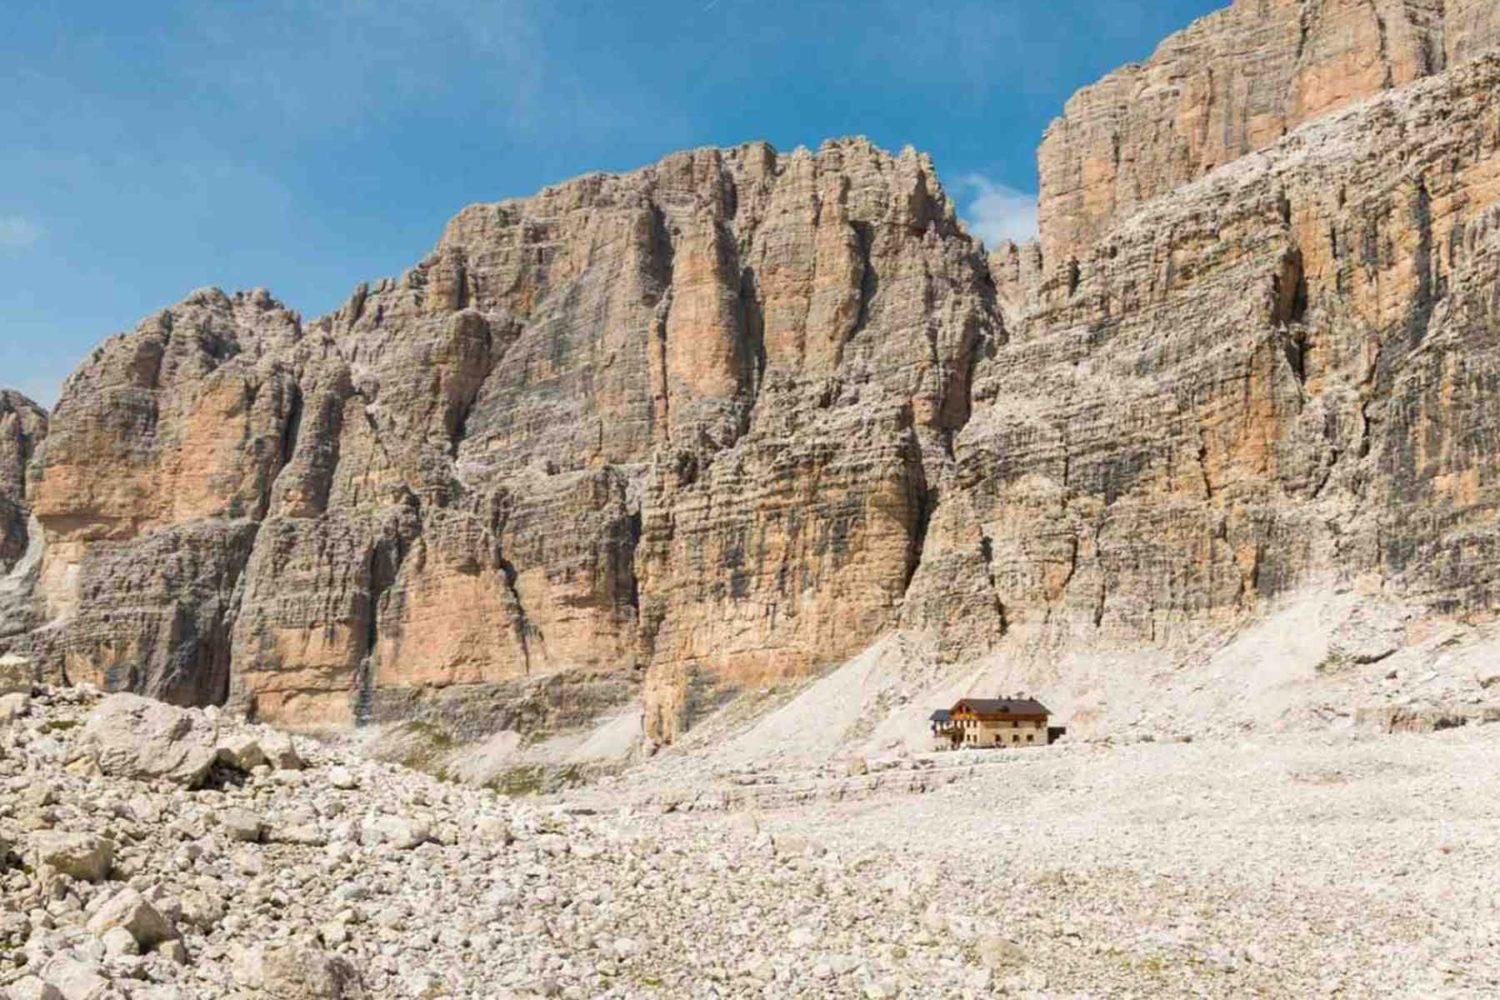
<point>1031,737</point>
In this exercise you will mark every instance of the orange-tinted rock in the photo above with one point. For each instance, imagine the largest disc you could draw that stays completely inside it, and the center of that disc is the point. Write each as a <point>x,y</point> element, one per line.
<point>1234,82</point>
<point>678,424</point>
<point>1280,375</point>
<point>725,421</point>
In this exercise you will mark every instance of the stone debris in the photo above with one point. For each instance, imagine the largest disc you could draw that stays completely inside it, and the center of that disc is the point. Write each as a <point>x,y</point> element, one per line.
<point>342,778</point>
<point>1214,868</point>
<point>75,978</point>
<point>32,988</point>
<point>298,972</point>
<point>15,671</point>
<point>242,752</point>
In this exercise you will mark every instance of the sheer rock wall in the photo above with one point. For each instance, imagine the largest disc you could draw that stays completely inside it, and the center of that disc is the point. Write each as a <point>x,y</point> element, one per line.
<point>673,428</point>
<point>1234,82</point>
<point>1280,374</point>
<point>724,422</point>
<point>23,428</point>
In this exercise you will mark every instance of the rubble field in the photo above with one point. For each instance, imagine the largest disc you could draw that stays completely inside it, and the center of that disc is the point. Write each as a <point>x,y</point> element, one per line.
<point>152,852</point>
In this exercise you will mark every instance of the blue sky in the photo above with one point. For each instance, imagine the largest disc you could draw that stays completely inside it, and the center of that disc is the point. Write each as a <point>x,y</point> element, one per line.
<point>152,148</point>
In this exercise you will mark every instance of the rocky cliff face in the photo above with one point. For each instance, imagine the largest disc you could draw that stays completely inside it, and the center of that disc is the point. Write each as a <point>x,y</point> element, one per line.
<point>23,427</point>
<point>1279,375</point>
<point>677,425</point>
<point>1232,83</point>
<point>728,420</point>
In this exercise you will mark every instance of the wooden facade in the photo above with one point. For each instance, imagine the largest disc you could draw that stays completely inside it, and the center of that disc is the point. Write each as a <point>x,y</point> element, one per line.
<point>991,723</point>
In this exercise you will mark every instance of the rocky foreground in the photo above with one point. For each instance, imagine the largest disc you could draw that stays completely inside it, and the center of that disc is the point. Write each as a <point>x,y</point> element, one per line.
<point>152,852</point>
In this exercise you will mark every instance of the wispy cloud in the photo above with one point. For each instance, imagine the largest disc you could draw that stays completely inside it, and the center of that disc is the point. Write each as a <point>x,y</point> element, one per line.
<point>18,232</point>
<point>996,212</point>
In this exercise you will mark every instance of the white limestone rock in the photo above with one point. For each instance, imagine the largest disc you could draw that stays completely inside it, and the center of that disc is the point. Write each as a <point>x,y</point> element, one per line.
<point>83,856</point>
<point>135,737</point>
<point>129,910</point>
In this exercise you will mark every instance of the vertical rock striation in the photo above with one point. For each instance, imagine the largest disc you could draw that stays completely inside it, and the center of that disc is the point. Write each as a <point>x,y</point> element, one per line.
<point>682,425</point>
<point>152,488</point>
<point>1234,82</point>
<point>23,428</point>
<point>729,419</point>
<point>1279,375</point>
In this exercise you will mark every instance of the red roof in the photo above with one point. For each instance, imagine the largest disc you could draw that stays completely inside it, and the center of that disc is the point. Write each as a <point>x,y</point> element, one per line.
<point>1003,708</point>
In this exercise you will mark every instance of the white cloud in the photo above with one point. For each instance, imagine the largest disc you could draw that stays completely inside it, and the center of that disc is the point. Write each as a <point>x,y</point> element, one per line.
<point>17,231</point>
<point>996,213</point>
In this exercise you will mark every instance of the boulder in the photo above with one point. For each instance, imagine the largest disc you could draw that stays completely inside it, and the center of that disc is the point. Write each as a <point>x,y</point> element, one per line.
<point>135,737</point>
<point>342,778</point>
<point>16,675</point>
<point>242,825</point>
<point>14,706</point>
<point>32,988</point>
<point>298,972</point>
<point>82,856</point>
<point>795,845</point>
<point>75,978</point>
<point>118,941</point>
<point>202,910</point>
<point>241,752</point>
<point>995,952</point>
<point>302,834</point>
<point>129,910</point>
<point>281,752</point>
<point>494,830</point>
<point>400,832</point>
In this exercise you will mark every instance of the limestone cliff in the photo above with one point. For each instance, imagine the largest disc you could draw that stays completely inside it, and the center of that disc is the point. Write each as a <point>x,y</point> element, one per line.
<point>728,420</point>
<point>1234,82</point>
<point>677,425</point>
<point>1278,375</point>
<point>23,429</point>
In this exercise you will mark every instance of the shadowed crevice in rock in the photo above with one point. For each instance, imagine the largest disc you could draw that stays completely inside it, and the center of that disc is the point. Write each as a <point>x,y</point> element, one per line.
<point>922,499</point>
<point>1427,289</point>
<point>525,630</point>
<point>987,555</point>
<point>290,433</point>
<point>381,573</point>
